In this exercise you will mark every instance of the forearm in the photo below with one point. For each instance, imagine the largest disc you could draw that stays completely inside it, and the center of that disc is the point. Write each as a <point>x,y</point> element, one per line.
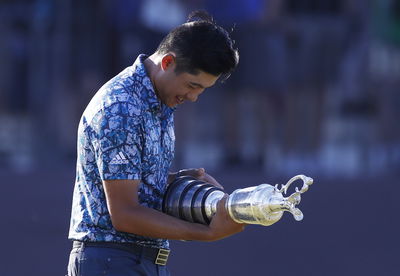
<point>148,222</point>
<point>127,215</point>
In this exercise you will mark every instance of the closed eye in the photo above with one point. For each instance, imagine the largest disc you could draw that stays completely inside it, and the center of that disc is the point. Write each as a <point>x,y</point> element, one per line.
<point>195,85</point>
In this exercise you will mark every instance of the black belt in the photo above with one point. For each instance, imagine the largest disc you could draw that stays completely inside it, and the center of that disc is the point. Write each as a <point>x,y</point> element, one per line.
<point>158,255</point>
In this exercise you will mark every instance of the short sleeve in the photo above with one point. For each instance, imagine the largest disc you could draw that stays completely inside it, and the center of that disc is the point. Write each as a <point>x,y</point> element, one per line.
<point>118,143</point>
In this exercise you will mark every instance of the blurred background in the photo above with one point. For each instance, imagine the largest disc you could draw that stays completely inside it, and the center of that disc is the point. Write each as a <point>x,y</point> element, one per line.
<point>316,92</point>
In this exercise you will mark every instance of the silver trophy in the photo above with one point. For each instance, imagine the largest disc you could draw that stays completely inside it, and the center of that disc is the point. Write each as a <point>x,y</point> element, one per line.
<point>196,201</point>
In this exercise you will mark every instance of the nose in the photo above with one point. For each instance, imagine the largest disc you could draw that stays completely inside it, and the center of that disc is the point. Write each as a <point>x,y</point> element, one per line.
<point>192,96</point>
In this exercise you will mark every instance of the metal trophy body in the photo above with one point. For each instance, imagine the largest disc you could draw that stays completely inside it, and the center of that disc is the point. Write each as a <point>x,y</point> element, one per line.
<point>196,201</point>
<point>192,200</point>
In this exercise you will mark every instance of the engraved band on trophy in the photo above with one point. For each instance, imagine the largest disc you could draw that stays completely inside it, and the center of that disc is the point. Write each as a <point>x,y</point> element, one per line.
<point>196,201</point>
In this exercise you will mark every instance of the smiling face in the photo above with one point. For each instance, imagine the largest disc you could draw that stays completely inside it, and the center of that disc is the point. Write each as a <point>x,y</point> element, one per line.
<point>173,89</point>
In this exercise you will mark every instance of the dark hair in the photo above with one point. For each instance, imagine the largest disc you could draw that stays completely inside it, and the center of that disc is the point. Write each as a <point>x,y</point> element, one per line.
<point>200,44</point>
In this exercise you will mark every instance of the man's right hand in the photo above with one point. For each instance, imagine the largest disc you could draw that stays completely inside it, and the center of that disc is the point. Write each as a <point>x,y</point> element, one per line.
<point>222,225</point>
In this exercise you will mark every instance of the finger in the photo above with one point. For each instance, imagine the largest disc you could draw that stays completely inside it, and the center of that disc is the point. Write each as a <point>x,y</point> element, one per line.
<point>208,178</point>
<point>201,172</point>
<point>221,202</point>
<point>191,172</point>
<point>216,184</point>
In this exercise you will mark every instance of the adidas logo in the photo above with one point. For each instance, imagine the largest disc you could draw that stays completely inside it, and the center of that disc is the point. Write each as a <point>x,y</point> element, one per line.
<point>119,159</point>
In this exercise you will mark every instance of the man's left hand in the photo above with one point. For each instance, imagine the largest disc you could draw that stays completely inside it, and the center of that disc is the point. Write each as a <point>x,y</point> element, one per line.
<point>201,174</point>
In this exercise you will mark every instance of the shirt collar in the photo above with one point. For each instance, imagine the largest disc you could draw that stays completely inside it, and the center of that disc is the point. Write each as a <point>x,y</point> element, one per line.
<point>148,94</point>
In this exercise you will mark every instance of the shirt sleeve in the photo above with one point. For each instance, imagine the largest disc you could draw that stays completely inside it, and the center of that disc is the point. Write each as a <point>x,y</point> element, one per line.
<point>118,143</point>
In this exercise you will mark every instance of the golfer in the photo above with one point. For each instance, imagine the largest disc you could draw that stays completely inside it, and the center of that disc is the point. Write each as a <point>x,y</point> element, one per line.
<point>125,148</point>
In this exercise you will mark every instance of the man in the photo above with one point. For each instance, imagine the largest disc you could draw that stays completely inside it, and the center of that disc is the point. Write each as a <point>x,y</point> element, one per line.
<point>125,148</point>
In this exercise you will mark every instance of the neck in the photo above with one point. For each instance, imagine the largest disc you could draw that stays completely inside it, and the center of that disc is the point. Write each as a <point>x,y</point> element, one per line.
<point>152,65</point>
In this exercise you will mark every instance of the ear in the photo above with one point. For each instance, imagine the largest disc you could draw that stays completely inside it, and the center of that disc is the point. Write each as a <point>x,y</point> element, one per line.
<point>167,61</point>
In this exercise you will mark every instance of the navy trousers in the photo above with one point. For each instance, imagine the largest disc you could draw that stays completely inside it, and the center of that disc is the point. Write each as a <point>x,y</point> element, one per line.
<point>95,261</point>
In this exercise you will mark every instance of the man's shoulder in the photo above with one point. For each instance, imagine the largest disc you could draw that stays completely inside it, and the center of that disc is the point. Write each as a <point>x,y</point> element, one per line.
<point>124,87</point>
<point>132,80</point>
<point>120,95</point>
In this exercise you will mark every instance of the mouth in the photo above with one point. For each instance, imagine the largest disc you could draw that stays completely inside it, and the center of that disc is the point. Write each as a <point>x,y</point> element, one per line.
<point>179,100</point>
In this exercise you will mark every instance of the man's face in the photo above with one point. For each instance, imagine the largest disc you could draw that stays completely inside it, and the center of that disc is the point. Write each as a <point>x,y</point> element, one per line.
<point>173,89</point>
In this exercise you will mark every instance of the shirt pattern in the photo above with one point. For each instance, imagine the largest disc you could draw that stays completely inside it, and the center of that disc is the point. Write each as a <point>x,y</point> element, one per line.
<point>124,133</point>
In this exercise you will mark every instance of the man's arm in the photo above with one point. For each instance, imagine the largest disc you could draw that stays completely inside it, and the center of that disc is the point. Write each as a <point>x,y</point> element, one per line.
<point>127,215</point>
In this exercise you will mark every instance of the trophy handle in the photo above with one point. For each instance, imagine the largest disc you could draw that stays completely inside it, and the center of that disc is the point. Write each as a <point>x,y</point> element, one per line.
<point>307,181</point>
<point>290,202</point>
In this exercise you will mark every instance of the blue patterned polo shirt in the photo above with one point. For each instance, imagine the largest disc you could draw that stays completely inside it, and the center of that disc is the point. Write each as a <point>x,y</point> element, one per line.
<point>124,133</point>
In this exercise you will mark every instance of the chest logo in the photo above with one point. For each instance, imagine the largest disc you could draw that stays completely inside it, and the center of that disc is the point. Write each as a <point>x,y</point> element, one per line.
<point>119,159</point>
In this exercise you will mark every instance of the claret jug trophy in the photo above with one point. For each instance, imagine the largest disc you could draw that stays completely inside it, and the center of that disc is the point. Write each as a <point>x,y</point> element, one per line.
<point>196,201</point>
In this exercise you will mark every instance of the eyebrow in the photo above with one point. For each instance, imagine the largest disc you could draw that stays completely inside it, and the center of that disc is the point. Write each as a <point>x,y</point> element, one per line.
<point>198,85</point>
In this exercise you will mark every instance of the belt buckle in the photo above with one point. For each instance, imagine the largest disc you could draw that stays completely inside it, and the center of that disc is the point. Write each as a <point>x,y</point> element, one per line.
<point>162,256</point>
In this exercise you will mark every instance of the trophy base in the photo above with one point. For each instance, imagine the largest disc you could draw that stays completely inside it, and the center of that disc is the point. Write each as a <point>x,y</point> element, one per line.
<point>191,199</point>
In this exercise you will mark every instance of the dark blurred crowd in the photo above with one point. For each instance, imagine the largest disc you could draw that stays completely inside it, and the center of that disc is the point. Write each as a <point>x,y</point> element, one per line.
<point>316,90</point>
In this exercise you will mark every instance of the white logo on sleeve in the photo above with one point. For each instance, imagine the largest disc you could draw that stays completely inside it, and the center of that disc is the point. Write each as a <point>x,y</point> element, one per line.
<point>119,159</point>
